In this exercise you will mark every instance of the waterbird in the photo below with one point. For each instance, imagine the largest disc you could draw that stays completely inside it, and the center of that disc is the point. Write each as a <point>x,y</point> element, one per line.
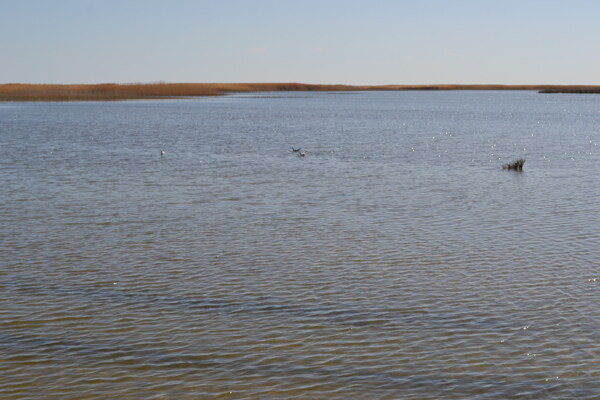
<point>293,149</point>
<point>302,154</point>
<point>162,153</point>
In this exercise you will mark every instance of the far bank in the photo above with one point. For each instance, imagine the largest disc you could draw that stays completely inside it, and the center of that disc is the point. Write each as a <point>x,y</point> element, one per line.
<point>131,91</point>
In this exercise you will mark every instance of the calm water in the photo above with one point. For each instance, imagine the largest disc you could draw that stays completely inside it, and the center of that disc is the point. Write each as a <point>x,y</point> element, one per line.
<point>396,260</point>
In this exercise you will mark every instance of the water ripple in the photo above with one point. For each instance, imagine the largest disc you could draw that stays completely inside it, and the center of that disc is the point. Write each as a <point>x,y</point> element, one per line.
<point>395,260</point>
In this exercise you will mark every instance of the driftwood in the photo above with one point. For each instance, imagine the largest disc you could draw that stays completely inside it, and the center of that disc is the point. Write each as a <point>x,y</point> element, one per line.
<point>515,165</point>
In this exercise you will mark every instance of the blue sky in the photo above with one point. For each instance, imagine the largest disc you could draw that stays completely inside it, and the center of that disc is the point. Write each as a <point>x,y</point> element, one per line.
<point>324,41</point>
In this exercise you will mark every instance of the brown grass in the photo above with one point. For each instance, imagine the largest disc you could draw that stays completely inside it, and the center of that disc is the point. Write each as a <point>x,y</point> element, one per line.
<point>113,91</point>
<point>572,89</point>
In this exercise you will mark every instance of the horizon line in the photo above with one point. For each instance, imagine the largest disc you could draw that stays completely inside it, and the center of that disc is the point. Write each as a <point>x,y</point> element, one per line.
<point>157,90</point>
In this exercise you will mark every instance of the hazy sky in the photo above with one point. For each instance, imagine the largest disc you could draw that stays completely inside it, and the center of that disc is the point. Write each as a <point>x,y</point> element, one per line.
<point>320,41</point>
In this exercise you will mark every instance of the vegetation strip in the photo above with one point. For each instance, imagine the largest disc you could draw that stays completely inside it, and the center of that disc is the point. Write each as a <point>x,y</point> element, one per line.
<point>113,91</point>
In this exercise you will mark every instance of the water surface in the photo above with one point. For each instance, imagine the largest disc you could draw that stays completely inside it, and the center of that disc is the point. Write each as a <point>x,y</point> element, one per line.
<point>395,260</point>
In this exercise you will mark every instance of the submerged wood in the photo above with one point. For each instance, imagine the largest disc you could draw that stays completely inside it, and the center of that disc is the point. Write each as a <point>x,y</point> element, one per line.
<point>515,165</point>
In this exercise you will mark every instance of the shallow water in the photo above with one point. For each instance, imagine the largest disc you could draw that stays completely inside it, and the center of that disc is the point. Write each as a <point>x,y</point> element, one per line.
<point>395,260</point>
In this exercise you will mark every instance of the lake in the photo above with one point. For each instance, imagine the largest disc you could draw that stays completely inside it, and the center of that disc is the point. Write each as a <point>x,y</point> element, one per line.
<point>395,260</point>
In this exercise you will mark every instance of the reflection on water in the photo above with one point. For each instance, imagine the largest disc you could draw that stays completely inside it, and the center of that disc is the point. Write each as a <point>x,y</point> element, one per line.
<point>395,260</point>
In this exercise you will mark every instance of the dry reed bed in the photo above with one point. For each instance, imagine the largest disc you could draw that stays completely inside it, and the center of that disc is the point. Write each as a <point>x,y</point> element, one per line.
<point>113,91</point>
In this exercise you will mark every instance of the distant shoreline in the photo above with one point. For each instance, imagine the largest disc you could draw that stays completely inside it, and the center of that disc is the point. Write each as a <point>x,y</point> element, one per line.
<point>138,91</point>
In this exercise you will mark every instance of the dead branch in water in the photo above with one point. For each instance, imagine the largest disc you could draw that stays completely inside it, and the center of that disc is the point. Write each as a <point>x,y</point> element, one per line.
<point>515,165</point>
